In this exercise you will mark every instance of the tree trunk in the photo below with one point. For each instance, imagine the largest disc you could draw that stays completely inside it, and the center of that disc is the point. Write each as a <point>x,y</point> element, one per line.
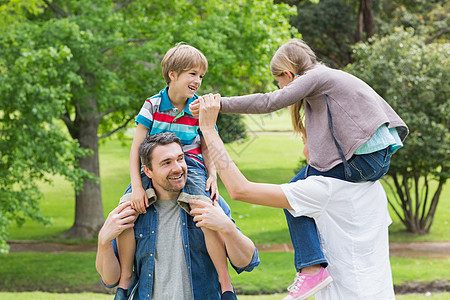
<point>88,207</point>
<point>369,26</point>
<point>359,23</point>
<point>365,21</point>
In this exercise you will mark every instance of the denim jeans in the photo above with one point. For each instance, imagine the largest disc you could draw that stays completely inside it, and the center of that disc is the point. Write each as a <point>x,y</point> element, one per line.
<point>366,167</point>
<point>303,231</point>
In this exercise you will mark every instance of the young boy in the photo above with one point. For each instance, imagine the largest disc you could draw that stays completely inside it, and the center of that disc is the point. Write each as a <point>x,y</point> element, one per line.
<point>183,68</point>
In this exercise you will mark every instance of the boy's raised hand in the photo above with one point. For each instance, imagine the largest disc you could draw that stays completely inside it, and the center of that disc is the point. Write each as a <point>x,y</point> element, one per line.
<point>139,200</point>
<point>194,108</point>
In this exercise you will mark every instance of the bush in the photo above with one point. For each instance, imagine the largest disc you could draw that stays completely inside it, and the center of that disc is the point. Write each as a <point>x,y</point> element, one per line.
<point>413,78</point>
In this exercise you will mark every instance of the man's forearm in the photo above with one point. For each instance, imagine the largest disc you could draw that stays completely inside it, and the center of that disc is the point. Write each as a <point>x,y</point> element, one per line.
<point>240,248</point>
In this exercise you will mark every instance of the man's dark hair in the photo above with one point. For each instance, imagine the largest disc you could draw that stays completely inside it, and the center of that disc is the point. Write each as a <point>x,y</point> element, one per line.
<point>151,142</point>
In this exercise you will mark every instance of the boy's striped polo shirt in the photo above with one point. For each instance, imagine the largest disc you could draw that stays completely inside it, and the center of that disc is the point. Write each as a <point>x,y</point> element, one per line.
<point>159,115</point>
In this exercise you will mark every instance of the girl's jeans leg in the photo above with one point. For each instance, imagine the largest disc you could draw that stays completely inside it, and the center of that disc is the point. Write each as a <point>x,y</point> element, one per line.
<point>303,231</point>
<point>366,167</point>
<point>304,236</point>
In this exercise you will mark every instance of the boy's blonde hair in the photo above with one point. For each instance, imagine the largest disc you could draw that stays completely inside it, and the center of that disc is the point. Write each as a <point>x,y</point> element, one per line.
<point>296,57</point>
<point>181,58</point>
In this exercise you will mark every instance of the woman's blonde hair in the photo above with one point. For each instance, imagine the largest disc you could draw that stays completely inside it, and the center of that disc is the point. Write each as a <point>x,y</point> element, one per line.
<point>181,58</point>
<point>296,57</point>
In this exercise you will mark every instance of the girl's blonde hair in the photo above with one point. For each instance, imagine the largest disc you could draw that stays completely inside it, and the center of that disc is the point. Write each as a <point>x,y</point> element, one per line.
<point>181,58</point>
<point>296,57</point>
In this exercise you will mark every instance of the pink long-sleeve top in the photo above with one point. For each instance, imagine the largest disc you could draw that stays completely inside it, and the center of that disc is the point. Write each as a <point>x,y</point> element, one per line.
<point>357,112</point>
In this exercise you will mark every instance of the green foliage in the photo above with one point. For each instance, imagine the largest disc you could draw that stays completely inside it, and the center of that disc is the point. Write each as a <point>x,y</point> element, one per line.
<point>427,18</point>
<point>91,64</point>
<point>13,11</point>
<point>413,77</point>
<point>328,27</point>
<point>33,145</point>
<point>232,127</point>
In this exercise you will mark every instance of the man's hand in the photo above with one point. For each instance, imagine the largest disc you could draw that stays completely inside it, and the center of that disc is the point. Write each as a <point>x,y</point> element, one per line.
<point>210,216</point>
<point>118,220</point>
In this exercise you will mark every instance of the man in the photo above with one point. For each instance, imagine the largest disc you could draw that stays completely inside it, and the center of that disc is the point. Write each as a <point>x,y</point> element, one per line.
<point>171,259</point>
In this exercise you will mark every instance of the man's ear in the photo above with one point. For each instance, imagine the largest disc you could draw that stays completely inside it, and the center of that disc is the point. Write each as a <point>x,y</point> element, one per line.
<point>147,171</point>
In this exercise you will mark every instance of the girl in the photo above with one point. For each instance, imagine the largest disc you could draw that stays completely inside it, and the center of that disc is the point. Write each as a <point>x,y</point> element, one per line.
<point>352,218</point>
<point>352,133</point>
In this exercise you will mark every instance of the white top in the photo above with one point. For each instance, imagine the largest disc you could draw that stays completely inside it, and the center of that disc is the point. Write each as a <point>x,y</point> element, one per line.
<point>353,221</point>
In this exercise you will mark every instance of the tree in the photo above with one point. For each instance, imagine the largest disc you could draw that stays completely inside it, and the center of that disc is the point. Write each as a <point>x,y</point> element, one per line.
<point>413,77</point>
<point>329,28</point>
<point>90,64</point>
<point>427,18</point>
<point>32,144</point>
<point>365,22</point>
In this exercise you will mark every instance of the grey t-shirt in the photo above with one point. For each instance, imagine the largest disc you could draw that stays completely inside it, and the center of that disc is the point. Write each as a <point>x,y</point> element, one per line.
<point>171,277</point>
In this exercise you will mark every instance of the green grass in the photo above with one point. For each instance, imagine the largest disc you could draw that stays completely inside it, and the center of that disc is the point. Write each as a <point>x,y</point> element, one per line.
<point>75,272</point>
<point>262,158</point>
<point>34,271</point>
<point>419,269</point>
<point>277,121</point>
<point>91,296</point>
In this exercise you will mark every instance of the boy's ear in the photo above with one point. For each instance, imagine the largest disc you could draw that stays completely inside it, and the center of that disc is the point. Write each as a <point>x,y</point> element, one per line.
<point>147,171</point>
<point>172,75</point>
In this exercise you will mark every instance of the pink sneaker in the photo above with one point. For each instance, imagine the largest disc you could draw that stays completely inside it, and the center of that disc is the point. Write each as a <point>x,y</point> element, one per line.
<point>306,285</point>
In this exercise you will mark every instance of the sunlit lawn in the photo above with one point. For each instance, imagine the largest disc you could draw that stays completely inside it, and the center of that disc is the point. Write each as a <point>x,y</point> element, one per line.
<point>262,157</point>
<point>91,296</point>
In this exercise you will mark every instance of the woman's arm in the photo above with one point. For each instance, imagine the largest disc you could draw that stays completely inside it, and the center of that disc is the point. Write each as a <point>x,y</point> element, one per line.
<point>300,88</point>
<point>237,185</point>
